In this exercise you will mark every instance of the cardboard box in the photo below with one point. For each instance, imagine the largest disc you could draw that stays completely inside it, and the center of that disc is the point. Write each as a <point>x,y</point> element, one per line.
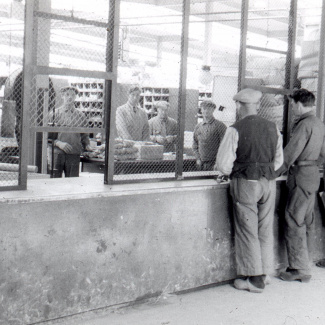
<point>150,151</point>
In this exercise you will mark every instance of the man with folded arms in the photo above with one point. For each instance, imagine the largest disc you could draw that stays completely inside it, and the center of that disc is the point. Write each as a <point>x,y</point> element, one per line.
<point>250,153</point>
<point>302,155</point>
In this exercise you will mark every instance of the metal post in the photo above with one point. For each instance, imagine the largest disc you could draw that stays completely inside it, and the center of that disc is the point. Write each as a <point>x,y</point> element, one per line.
<point>182,90</point>
<point>111,88</point>
<point>243,46</point>
<point>27,81</point>
<point>320,104</point>
<point>290,68</point>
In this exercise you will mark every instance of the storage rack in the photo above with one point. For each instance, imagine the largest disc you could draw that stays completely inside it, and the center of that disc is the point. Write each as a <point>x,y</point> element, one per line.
<point>203,95</point>
<point>90,100</point>
<point>150,96</point>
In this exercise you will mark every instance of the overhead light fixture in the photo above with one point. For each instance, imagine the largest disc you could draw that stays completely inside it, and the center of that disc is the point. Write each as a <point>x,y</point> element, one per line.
<point>205,76</point>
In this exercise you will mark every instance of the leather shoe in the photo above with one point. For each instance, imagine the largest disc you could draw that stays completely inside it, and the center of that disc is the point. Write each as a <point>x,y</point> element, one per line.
<point>267,280</point>
<point>294,275</point>
<point>241,284</point>
<point>321,263</point>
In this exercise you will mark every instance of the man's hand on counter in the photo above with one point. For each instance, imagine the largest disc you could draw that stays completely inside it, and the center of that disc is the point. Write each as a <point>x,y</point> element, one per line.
<point>64,146</point>
<point>89,148</point>
<point>160,139</point>
<point>170,138</point>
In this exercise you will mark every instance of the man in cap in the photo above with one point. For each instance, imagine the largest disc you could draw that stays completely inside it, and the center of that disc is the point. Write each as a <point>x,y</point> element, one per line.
<point>131,120</point>
<point>162,128</point>
<point>302,155</point>
<point>207,137</point>
<point>69,146</point>
<point>249,153</point>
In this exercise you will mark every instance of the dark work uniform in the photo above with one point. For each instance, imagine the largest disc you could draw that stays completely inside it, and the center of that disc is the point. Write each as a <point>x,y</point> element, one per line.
<point>207,137</point>
<point>301,156</point>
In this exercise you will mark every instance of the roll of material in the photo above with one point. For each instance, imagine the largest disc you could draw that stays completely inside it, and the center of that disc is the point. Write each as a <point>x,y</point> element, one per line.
<point>15,168</point>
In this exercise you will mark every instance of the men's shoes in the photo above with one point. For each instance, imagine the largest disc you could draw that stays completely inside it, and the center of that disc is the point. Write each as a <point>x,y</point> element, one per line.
<point>321,263</point>
<point>242,284</point>
<point>267,279</point>
<point>294,275</point>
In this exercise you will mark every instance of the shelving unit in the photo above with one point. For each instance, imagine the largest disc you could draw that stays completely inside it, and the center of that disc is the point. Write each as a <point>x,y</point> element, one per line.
<point>90,100</point>
<point>203,95</point>
<point>150,96</point>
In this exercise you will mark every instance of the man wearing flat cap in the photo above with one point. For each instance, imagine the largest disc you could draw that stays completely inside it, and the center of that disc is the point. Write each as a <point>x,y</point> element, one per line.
<point>69,146</point>
<point>302,155</point>
<point>250,153</point>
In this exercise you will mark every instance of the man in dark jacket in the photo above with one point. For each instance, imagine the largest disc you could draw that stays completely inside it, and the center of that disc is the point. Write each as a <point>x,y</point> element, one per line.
<point>250,152</point>
<point>302,155</point>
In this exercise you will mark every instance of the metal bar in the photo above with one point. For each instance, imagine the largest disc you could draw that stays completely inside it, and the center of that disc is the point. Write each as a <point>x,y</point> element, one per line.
<point>27,81</point>
<point>263,49</point>
<point>243,40</point>
<point>320,103</point>
<point>43,70</point>
<point>290,67</point>
<point>48,15</point>
<point>270,90</point>
<point>65,129</point>
<point>111,90</point>
<point>13,188</point>
<point>182,90</point>
<point>204,21</point>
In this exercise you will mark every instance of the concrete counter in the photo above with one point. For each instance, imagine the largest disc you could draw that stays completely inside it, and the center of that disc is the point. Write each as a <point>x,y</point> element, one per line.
<point>74,245</point>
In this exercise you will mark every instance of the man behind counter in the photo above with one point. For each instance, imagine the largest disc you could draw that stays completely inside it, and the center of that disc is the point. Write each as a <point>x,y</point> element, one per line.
<point>207,137</point>
<point>131,120</point>
<point>69,146</point>
<point>163,129</point>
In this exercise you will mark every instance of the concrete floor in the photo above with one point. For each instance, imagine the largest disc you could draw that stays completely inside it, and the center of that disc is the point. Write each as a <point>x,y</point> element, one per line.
<point>281,303</point>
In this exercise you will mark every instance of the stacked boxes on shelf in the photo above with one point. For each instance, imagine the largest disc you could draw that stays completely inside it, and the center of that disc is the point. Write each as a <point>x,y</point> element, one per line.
<point>203,95</point>
<point>150,96</point>
<point>90,100</point>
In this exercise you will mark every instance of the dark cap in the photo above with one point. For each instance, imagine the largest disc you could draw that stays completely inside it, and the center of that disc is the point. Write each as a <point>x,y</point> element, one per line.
<point>65,89</point>
<point>248,95</point>
<point>134,88</point>
<point>208,104</point>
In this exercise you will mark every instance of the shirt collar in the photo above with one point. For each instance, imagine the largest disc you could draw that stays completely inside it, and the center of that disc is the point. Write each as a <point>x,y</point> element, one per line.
<point>209,121</point>
<point>303,116</point>
<point>133,108</point>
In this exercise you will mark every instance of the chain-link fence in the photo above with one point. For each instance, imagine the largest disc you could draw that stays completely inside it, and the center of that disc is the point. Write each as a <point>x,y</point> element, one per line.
<point>67,110</point>
<point>156,132</point>
<point>147,95</point>
<point>11,36</point>
<point>214,42</point>
<point>266,55</point>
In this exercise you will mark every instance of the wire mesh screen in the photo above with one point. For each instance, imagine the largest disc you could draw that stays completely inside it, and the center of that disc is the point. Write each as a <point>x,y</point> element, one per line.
<point>11,98</point>
<point>71,36</point>
<point>147,95</point>
<point>266,55</point>
<point>74,108</point>
<point>214,41</point>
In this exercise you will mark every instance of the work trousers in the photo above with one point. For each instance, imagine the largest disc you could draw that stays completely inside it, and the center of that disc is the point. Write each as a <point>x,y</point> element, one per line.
<point>254,203</point>
<point>69,164</point>
<point>299,216</point>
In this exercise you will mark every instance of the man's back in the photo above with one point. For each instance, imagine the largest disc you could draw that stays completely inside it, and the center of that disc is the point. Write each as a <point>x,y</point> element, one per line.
<point>257,142</point>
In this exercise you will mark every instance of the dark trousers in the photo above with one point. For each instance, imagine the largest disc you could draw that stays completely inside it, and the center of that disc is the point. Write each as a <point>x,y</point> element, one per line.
<point>69,164</point>
<point>299,216</point>
<point>207,165</point>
